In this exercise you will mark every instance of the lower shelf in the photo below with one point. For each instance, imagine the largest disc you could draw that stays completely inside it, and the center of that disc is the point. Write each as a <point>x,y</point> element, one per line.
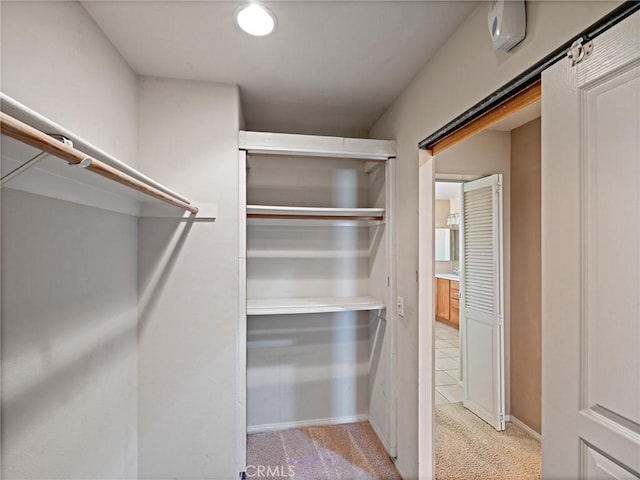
<point>280,306</point>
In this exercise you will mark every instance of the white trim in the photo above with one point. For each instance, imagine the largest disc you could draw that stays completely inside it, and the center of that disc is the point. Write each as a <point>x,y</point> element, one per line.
<point>391,316</point>
<point>426,314</point>
<point>241,390</point>
<point>316,146</point>
<point>456,177</point>
<point>275,427</point>
<point>522,426</point>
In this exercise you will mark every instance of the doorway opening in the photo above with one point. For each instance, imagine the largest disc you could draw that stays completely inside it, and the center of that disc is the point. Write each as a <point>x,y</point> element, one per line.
<point>448,361</point>
<point>467,442</point>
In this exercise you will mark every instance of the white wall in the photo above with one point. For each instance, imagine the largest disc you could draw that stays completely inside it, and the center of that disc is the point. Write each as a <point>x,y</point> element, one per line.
<point>188,284</point>
<point>465,70</point>
<point>69,309</point>
<point>57,61</point>
<point>307,368</point>
<point>69,299</point>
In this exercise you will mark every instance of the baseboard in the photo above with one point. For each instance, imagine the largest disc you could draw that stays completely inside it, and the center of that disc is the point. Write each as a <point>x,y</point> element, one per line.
<point>527,429</point>
<point>390,451</point>
<point>274,427</point>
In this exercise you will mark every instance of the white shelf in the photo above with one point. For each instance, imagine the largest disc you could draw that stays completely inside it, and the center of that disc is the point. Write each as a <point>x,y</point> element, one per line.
<point>54,178</point>
<point>314,213</point>
<point>307,254</point>
<point>280,306</point>
<point>316,146</point>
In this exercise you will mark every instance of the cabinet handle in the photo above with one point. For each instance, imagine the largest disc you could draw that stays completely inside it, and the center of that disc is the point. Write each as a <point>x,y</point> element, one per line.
<point>458,295</point>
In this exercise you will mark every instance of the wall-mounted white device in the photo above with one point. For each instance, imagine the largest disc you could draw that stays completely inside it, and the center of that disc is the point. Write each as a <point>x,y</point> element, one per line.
<point>507,23</point>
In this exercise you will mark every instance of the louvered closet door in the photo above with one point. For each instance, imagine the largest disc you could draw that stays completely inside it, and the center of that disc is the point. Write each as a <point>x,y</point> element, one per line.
<point>482,300</point>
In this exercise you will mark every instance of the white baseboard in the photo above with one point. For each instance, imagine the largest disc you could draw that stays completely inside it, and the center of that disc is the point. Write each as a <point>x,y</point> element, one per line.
<point>274,427</point>
<point>528,430</point>
<point>390,451</point>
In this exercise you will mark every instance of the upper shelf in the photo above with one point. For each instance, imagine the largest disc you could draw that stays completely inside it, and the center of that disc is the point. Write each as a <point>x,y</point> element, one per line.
<point>270,212</point>
<point>77,171</point>
<point>316,146</point>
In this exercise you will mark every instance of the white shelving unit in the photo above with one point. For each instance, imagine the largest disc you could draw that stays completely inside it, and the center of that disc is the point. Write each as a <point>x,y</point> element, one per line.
<point>316,243</point>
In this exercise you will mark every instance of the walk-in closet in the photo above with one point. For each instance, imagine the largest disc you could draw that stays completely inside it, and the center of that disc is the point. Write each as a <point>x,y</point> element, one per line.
<point>319,327</point>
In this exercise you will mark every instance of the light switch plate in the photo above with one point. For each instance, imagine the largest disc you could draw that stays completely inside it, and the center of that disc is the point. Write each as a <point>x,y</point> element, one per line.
<point>400,306</point>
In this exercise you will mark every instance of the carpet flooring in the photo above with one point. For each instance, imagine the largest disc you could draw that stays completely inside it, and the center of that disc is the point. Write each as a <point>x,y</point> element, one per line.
<point>337,452</point>
<point>468,448</point>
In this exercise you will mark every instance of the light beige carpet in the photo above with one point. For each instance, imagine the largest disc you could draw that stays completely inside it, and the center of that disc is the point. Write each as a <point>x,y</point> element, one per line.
<point>468,448</point>
<point>338,452</point>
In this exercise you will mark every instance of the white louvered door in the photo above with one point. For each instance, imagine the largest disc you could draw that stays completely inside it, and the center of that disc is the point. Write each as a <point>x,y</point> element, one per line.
<point>482,326</point>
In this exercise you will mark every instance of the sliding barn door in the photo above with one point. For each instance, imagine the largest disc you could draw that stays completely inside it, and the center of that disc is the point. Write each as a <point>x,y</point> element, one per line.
<point>591,260</point>
<point>482,328</point>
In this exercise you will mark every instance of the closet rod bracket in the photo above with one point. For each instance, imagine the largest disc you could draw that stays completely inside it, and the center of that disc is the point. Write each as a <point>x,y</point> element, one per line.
<point>87,162</point>
<point>33,161</point>
<point>62,139</point>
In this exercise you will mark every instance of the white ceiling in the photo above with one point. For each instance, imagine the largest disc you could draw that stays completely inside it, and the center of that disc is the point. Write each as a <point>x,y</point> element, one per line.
<point>330,68</point>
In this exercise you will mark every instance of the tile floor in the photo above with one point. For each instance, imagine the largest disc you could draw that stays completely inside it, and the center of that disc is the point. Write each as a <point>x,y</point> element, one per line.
<point>448,386</point>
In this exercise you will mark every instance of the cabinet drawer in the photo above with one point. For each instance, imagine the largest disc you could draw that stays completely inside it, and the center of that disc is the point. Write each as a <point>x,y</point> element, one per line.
<point>454,303</point>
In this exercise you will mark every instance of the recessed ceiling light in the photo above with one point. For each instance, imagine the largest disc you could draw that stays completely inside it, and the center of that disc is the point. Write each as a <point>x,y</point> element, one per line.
<point>255,19</point>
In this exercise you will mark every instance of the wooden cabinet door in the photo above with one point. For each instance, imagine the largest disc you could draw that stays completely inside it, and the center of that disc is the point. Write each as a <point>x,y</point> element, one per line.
<point>442,299</point>
<point>454,304</point>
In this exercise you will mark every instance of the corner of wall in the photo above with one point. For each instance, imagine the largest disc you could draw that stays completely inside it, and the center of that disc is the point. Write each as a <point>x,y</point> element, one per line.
<point>188,345</point>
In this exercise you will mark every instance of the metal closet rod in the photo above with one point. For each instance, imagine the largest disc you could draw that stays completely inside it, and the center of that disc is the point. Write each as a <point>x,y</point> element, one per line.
<point>26,134</point>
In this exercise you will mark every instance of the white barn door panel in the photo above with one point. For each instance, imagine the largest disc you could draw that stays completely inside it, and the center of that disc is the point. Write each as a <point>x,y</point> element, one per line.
<point>591,261</point>
<point>482,300</point>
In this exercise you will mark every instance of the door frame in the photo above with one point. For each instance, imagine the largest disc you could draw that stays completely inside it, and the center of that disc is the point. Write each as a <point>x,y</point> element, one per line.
<point>426,314</point>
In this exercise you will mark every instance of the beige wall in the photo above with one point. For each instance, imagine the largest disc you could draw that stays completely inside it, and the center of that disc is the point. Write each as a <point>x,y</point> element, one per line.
<point>463,71</point>
<point>526,285</point>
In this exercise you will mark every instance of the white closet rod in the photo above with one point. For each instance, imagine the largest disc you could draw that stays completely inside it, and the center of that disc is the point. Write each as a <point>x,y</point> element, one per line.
<point>26,134</point>
<point>24,114</point>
